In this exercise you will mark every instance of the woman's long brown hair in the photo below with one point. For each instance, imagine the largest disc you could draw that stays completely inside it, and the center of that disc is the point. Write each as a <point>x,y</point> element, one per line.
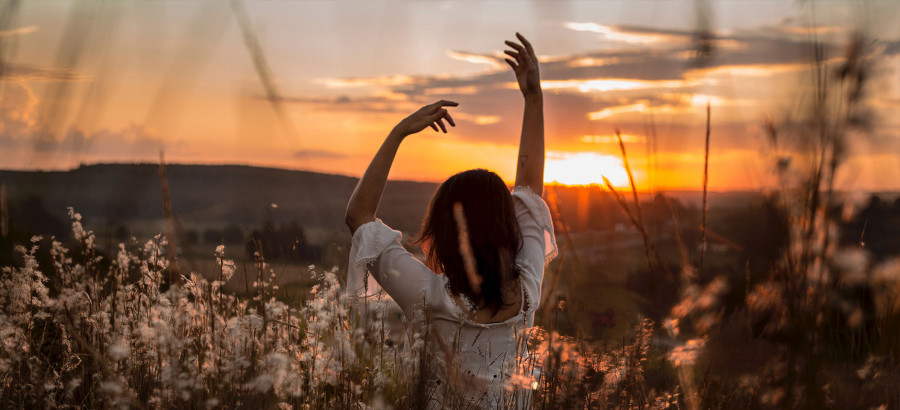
<point>494,235</point>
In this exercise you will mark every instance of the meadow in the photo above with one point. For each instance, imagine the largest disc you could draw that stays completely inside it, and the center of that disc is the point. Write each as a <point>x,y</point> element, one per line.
<point>129,330</point>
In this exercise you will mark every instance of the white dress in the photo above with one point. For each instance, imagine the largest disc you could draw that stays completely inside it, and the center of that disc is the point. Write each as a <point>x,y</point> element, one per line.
<point>378,258</point>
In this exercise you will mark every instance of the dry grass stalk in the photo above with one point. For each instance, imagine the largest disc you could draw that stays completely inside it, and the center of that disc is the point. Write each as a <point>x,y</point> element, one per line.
<point>4,212</point>
<point>637,202</point>
<point>261,65</point>
<point>705,186</point>
<point>170,219</point>
<point>636,219</point>
<point>650,251</point>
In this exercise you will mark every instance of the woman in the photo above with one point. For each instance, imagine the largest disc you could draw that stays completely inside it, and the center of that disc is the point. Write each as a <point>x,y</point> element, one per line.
<point>486,251</point>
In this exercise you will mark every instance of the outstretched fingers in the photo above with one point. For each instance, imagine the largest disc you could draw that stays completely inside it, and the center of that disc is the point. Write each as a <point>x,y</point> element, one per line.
<point>443,103</point>
<point>516,46</point>
<point>524,55</point>
<point>440,116</point>
<point>514,66</point>
<point>526,43</point>
<point>432,115</point>
<point>450,119</point>
<point>515,55</point>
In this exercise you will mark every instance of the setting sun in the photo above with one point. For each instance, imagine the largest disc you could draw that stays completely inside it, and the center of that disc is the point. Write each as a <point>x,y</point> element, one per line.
<point>584,168</point>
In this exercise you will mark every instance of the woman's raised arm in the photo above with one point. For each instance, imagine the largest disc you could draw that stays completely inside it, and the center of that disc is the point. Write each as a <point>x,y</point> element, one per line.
<point>367,195</point>
<point>530,167</point>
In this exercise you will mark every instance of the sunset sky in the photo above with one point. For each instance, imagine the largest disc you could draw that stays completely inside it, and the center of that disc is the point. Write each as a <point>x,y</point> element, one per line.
<point>87,82</point>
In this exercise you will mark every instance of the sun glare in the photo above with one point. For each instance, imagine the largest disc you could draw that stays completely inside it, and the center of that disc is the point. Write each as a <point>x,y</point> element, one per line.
<point>584,168</point>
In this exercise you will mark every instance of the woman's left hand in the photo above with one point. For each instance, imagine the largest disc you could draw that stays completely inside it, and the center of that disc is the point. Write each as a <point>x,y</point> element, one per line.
<point>432,115</point>
<point>525,64</point>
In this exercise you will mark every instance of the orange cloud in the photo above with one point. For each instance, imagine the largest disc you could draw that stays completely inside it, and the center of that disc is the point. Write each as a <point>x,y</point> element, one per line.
<point>32,73</point>
<point>608,84</point>
<point>386,81</point>
<point>616,33</point>
<point>19,30</point>
<point>494,61</point>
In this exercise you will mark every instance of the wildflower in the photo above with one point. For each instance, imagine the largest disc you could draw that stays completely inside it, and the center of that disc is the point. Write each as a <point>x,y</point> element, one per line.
<point>226,265</point>
<point>686,354</point>
<point>766,296</point>
<point>705,323</point>
<point>852,263</point>
<point>262,383</point>
<point>72,385</point>
<point>772,397</point>
<point>521,381</point>
<point>887,272</point>
<point>111,387</point>
<point>868,368</point>
<point>119,351</point>
<point>615,375</point>
<point>671,326</point>
<point>705,301</point>
<point>683,308</point>
<point>77,229</point>
<point>689,272</point>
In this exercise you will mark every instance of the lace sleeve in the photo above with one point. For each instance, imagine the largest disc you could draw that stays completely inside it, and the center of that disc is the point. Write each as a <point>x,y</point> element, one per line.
<point>378,261</point>
<point>538,245</point>
<point>369,241</point>
<point>537,213</point>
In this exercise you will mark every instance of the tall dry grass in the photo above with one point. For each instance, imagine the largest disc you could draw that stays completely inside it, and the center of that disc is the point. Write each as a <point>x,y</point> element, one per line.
<point>819,329</point>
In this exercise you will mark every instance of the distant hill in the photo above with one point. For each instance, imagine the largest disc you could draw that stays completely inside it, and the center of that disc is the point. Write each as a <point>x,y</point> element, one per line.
<point>207,194</point>
<point>231,203</point>
<point>219,195</point>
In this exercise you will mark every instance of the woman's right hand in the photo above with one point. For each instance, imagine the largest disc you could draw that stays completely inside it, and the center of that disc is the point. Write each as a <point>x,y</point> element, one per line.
<point>367,195</point>
<point>525,66</point>
<point>432,115</point>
